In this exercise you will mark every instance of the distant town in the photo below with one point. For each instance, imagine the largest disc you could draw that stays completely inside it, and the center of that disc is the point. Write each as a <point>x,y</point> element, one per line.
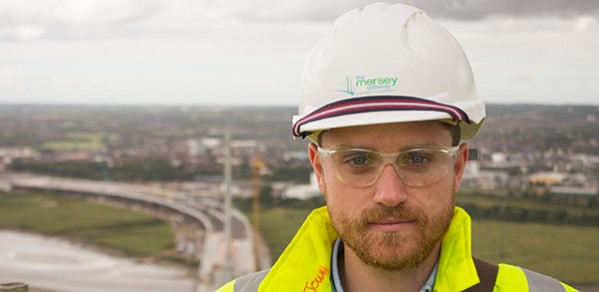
<point>538,148</point>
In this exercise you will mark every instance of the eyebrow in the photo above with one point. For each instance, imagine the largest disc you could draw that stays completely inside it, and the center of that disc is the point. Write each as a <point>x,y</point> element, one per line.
<point>407,147</point>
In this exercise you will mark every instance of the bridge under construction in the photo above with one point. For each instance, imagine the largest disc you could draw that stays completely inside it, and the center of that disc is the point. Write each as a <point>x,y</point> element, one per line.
<point>199,222</point>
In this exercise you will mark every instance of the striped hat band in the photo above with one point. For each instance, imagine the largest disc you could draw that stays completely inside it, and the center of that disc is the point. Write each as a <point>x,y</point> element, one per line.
<point>376,104</point>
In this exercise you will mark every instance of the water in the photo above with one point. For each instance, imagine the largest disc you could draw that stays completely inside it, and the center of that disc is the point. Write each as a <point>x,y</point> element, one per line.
<point>57,265</point>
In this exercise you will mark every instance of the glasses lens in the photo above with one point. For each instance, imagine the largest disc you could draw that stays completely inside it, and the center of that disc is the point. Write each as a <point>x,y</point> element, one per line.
<point>357,166</point>
<point>422,167</point>
<point>416,167</point>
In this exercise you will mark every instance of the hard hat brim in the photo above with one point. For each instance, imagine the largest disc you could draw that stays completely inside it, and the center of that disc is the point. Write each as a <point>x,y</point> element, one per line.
<point>382,109</point>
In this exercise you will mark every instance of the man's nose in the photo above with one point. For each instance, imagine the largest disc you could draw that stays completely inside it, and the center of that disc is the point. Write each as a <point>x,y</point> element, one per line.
<point>389,189</point>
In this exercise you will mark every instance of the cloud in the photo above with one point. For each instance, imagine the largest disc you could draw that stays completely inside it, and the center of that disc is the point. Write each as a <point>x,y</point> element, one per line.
<point>583,23</point>
<point>112,12</point>
<point>26,20</point>
<point>477,9</point>
<point>9,73</point>
<point>27,32</point>
<point>316,10</point>
<point>76,12</point>
<point>31,19</point>
<point>11,80</point>
<point>188,51</point>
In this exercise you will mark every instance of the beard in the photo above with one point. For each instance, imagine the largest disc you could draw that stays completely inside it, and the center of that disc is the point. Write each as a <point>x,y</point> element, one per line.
<point>393,251</point>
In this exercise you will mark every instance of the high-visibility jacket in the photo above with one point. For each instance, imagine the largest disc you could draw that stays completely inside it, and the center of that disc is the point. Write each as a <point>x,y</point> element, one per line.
<point>305,265</point>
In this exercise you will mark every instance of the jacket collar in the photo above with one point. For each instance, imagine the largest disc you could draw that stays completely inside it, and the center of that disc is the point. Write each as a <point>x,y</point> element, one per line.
<point>305,264</point>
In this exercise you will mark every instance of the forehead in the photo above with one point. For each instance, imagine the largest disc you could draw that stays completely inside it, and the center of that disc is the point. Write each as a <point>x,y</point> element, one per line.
<point>390,137</point>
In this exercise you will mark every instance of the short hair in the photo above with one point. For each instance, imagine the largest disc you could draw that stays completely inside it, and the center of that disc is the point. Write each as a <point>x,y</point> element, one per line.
<point>455,132</point>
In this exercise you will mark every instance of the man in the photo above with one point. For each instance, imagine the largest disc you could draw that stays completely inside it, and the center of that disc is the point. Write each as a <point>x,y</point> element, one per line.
<point>387,97</point>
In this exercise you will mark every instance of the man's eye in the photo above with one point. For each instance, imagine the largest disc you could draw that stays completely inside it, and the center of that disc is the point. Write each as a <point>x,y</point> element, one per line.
<point>358,160</point>
<point>415,159</point>
<point>418,159</point>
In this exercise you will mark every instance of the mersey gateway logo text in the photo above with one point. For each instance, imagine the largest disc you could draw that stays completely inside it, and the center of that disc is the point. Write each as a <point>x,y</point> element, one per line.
<point>368,85</point>
<point>385,81</point>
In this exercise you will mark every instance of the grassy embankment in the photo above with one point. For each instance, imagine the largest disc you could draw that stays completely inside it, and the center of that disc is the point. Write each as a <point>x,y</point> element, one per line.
<point>135,233</point>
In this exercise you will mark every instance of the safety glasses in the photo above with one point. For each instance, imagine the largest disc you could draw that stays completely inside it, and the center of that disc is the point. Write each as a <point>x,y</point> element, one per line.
<point>416,167</point>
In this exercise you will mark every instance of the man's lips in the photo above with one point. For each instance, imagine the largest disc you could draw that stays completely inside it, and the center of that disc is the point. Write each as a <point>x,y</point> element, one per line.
<point>392,224</point>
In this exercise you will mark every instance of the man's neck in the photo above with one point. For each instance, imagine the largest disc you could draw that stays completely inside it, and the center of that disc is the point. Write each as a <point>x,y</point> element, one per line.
<point>358,276</point>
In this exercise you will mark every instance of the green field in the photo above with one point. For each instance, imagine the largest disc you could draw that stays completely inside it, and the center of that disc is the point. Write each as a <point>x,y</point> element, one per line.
<point>279,225</point>
<point>568,253</point>
<point>133,232</point>
<point>81,141</point>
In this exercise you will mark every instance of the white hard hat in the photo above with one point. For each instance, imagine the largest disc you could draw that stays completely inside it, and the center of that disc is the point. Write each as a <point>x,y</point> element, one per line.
<point>386,64</point>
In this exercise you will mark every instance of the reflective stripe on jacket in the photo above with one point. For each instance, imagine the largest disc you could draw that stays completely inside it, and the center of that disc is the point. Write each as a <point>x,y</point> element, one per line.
<point>305,263</point>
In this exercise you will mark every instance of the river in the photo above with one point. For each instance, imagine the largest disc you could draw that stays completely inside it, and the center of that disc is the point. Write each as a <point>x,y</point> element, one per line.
<point>52,264</point>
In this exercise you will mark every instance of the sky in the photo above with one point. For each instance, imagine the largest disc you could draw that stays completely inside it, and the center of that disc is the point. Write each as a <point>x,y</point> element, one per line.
<point>251,52</point>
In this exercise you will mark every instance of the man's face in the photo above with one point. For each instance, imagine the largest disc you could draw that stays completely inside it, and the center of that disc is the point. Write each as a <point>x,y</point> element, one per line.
<point>388,224</point>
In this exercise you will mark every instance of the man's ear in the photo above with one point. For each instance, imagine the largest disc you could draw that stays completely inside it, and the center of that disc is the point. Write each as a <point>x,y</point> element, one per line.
<point>316,166</point>
<point>460,164</point>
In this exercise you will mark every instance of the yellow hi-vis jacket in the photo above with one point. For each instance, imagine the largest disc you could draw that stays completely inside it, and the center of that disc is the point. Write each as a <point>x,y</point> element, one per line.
<point>305,265</point>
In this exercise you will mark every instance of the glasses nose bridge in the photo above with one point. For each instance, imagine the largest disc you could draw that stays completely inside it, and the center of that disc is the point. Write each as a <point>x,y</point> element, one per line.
<point>385,160</point>
<point>389,158</point>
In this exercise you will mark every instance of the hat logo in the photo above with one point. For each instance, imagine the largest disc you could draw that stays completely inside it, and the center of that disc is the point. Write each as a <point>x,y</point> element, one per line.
<point>348,86</point>
<point>364,85</point>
